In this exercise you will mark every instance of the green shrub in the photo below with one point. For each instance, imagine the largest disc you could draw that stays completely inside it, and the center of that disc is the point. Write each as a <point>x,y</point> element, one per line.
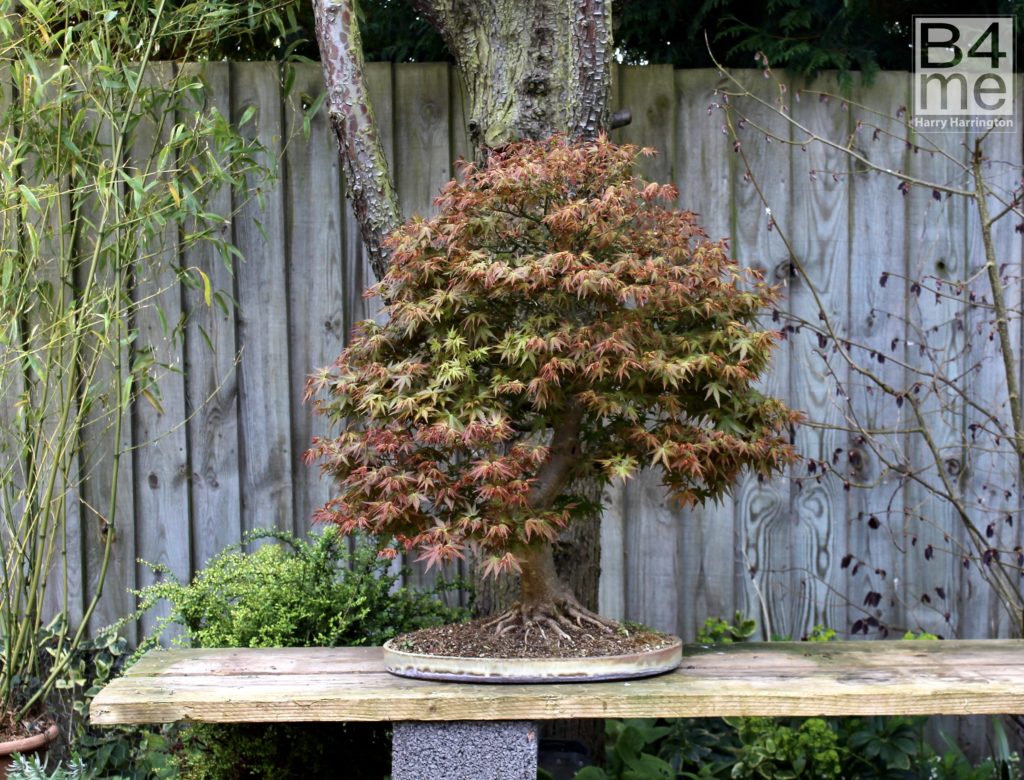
<point>295,594</point>
<point>292,593</point>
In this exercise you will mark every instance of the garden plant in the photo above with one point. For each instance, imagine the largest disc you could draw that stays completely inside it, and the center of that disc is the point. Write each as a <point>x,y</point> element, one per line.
<point>109,161</point>
<point>557,322</point>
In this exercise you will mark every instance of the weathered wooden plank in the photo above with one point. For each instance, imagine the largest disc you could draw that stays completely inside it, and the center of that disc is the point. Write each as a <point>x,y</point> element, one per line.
<point>877,329</point>
<point>763,507</point>
<point>316,290</point>
<point>710,567</point>
<point>848,679</point>
<point>262,318</point>
<point>422,167</point>
<point>52,456</point>
<point>991,488</point>
<point>935,343</point>
<point>820,235</point>
<point>160,458</point>
<point>652,565</point>
<point>649,93</point>
<point>107,491</point>
<point>211,378</point>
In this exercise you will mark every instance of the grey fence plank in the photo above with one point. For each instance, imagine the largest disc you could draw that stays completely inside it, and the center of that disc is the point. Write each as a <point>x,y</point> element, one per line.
<point>652,563</point>
<point>935,336</point>
<point>876,308</point>
<point>262,322</point>
<point>820,204</point>
<point>210,375</point>
<point>710,568</point>
<point>763,507</point>
<point>160,458</point>
<point>422,166</point>
<point>316,289</point>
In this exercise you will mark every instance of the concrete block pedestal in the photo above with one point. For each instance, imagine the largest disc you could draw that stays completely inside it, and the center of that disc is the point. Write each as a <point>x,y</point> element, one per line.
<point>465,750</point>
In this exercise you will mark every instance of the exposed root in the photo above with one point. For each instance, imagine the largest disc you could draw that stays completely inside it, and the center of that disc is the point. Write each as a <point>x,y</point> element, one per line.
<point>563,615</point>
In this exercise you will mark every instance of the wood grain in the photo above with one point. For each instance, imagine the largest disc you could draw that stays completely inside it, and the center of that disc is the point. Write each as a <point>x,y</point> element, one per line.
<point>764,508</point>
<point>711,572</point>
<point>262,317</point>
<point>820,208</point>
<point>160,461</point>
<point>210,374</point>
<point>350,684</point>
<point>316,288</point>
<point>876,326</point>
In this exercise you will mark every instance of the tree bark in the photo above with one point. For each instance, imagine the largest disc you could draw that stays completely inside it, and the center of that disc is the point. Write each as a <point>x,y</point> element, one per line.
<point>367,176</point>
<point>532,68</point>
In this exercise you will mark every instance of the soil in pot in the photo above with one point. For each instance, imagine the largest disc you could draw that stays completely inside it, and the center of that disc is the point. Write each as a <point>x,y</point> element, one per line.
<point>27,737</point>
<point>478,639</point>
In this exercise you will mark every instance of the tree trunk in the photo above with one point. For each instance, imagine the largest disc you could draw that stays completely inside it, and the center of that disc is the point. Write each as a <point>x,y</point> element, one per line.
<point>532,69</point>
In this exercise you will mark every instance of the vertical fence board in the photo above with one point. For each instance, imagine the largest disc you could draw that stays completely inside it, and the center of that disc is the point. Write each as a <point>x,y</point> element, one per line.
<point>709,565</point>
<point>108,505</point>
<point>262,318</point>
<point>422,166</point>
<point>210,375</point>
<point>820,203</point>
<point>763,507</point>
<point>64,592</point>
<point>315,287</point>
<point>935,336</point>
<point>160,461</point>
<point>652,564</point>
<point>877,326</point>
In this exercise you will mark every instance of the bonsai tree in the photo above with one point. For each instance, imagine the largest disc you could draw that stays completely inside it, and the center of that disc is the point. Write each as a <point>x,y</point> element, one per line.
<point>558,320</point>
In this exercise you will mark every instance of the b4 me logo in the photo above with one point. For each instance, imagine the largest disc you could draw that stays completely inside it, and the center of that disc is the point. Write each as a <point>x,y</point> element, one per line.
<point>963,72</point>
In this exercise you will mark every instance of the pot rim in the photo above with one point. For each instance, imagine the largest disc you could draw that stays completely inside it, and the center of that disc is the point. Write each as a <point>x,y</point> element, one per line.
<point>33,742</point>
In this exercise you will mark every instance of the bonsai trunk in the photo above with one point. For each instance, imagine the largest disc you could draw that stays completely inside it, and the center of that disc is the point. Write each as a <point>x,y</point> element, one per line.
<point>539,585</point>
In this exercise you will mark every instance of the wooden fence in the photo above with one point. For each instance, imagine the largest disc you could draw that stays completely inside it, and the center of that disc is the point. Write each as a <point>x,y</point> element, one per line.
<point>798,551</point>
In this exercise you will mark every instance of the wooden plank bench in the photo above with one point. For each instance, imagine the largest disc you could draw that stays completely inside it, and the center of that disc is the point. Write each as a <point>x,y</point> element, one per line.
<point>460,730</point>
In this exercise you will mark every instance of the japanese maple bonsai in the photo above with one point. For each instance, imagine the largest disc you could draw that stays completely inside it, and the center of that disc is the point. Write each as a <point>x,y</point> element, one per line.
<point>557,321</point>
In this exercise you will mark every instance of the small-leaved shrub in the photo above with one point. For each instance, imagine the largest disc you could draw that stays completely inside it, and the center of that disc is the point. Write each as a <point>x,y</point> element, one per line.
<point>287,592</point>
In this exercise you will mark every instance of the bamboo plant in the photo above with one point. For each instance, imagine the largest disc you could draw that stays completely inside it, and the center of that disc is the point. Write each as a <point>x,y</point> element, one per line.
<point>107,162</point>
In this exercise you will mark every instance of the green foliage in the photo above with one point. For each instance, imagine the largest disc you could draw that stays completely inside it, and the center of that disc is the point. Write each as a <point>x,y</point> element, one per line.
<point>770,749</point>
<point>821,633</point>
<point>718,631</point>
<point>35,769</point>
<point>557,320</point>
<point>295,593</point>
<point>107,167</point>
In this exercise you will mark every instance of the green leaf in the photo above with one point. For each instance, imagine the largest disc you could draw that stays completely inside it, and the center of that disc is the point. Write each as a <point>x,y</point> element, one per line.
<point>31,198</point>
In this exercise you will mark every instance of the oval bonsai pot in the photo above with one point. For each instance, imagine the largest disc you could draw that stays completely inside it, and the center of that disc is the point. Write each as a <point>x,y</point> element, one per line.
<point>425,666</point>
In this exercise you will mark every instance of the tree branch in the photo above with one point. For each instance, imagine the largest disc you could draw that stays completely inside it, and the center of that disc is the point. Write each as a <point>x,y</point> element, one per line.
<point>367,177</point>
